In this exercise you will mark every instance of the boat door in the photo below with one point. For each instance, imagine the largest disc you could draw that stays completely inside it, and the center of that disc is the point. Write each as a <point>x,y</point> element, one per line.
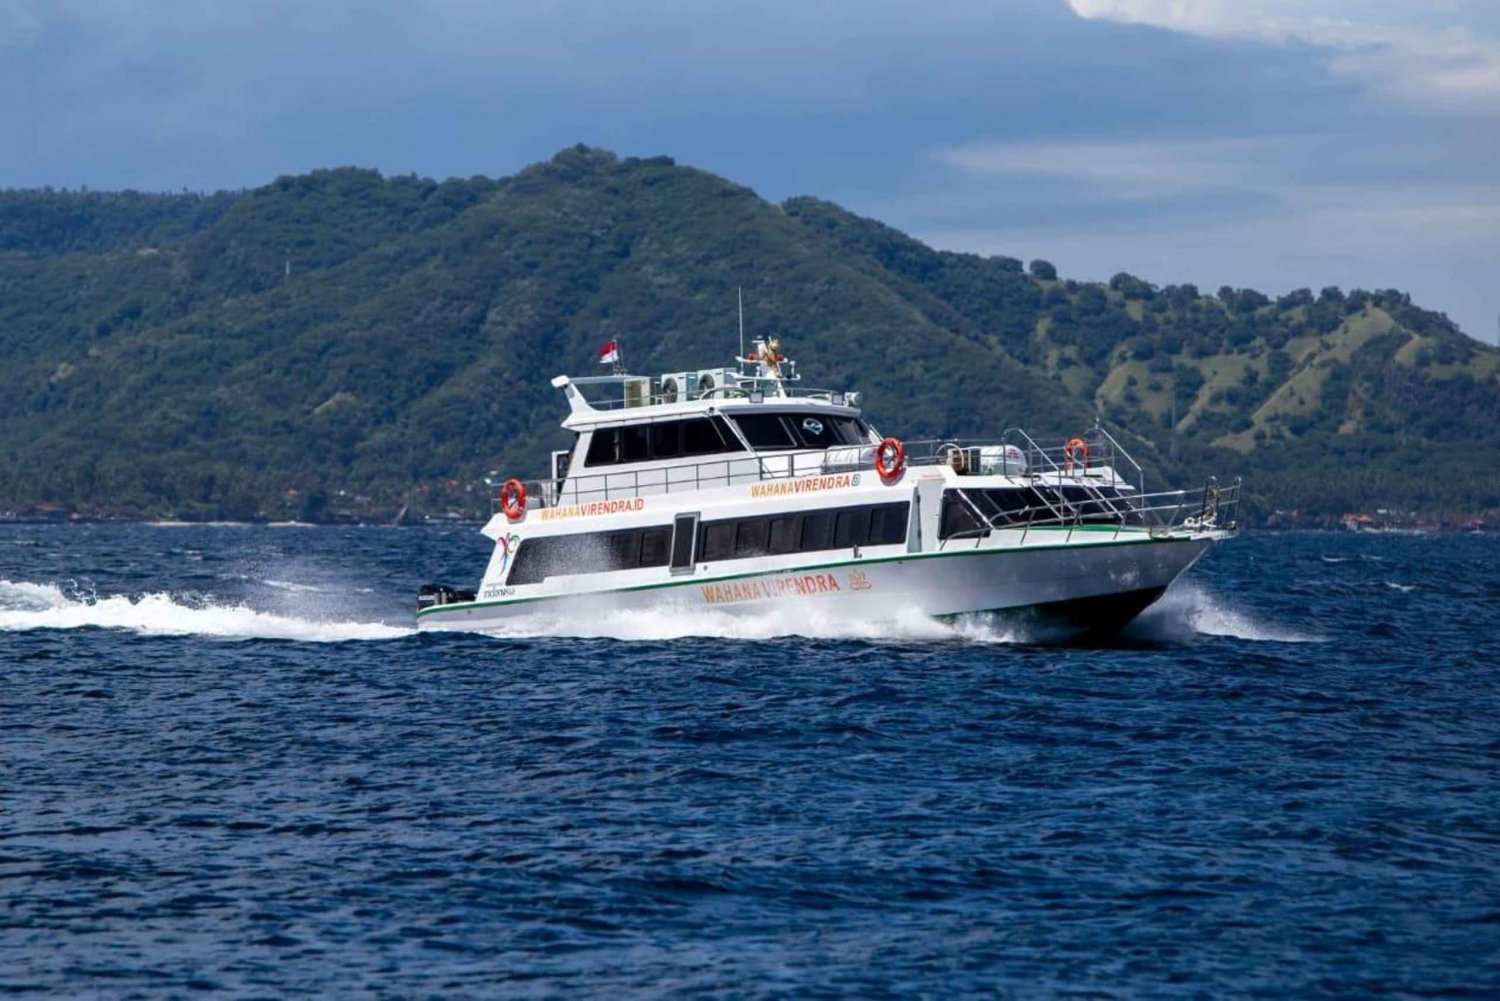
<point>684,540</point>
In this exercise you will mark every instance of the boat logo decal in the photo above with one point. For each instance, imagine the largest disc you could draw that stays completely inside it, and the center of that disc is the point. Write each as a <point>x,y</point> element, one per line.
<point>858,581</point>
<point>593,508</point>
<point>778,488</point>
<point>775,587</point>
<point>507,550</point>
<point>813,426</point>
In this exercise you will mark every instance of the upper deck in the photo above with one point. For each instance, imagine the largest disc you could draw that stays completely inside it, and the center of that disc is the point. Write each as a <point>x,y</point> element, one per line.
<point>693,431</point>
<point>764,376</point>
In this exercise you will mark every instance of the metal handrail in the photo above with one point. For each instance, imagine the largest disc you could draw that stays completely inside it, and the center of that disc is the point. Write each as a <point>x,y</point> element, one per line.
<point>1218,506</point>
<point>1222,513</point>
<point>654,397</point>
<point>1115,449</point>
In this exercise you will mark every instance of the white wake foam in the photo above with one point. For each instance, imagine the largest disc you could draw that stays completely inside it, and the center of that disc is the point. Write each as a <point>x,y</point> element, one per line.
<point>25,606</point>
<point>670,622</point>
<point>1188,610</point>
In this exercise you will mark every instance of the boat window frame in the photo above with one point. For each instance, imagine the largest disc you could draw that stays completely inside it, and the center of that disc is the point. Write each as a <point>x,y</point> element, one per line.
<point>795,437</point>
<point>684,543</point>
<point>608,443</point>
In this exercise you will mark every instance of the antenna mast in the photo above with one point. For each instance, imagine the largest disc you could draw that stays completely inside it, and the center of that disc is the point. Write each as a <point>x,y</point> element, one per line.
<point>740,294</point>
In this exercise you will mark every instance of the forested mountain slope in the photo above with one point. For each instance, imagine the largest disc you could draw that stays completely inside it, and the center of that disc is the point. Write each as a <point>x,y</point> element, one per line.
<point>340,343</point>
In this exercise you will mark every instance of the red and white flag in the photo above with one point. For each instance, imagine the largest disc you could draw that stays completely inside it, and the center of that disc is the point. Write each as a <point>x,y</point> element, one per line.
<point>610,353</point>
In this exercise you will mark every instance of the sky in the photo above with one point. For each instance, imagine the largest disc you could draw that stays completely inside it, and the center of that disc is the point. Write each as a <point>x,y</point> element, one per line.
<point>1269,144</point>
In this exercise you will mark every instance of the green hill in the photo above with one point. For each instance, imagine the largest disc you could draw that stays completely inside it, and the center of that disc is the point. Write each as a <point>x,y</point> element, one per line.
<point>338,343</point>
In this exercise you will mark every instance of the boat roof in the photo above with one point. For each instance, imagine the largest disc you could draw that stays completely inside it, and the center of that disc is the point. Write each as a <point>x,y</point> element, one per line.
<point>761,380</point>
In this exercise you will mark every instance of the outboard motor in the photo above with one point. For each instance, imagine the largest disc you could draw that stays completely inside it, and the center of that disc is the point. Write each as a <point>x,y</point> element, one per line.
<point>431,595</point>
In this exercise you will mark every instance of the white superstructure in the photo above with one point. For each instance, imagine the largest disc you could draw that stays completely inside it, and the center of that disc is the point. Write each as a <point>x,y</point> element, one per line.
<point>729,488</point>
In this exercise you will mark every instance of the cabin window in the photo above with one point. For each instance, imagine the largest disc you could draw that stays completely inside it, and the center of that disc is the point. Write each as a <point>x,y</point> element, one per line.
<point>717,541</point>
<point>887,524</point>
<point>684,531</point>
<point>817,531</point>
<point>805,532</point>
<point>765,432</point>
<point>604,448</point>
<point>662,440</point>
<point>589,552</point>
<point>1094,504</point>
<point>666,440</point>
<point>1010,505</point>
<point>635,443</point>
<point>825,431</point>
<point>751,537</point>
<point>1024,505</point>
<point>958,516</point>
<point>655,543</point>
<point>779,431</point>
<point>783,536</point>
<point>851,527</point>
<point>709,436</point>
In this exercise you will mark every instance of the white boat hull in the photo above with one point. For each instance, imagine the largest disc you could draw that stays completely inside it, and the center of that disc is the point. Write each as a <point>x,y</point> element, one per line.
<point>1094,581</point>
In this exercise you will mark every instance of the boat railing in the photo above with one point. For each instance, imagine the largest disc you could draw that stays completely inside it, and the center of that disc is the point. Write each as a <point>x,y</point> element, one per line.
<point>1214,507</point>
<point>1105,493</point>
<point>630,392</point>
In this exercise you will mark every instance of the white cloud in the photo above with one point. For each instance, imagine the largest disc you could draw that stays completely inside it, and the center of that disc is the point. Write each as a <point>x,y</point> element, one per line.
<point>1449,67</point>
<point>1274,212</point>
<point>1125,171</point>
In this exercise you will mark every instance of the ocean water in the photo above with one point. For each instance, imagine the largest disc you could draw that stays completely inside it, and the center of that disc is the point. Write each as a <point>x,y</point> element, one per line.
<point>227,763</point>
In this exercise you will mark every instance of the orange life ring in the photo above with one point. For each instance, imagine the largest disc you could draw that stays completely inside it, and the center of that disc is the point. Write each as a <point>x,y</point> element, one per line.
<point>890,458</point>
<point>513,499</point>
<point>1076,447</point>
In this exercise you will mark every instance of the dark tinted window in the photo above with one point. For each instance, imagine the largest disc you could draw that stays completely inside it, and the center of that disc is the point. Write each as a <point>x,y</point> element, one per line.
<point>783,535</point>
<point>765,431</point>
<point>1093,504</point>
<point>751,537</point>
<point>684,530</point>
<point>662,440</point>
<point>718,541</point>
<point>888,524</point>
<point>624,548</point>
<point>635,443</point>
<point>666,440</point>
<point>817,531</point>
<point>604,450</point>
<point>824,431</point>
<point>959,516</point>
<point>589,552</point>
<point>1034,505</point>
<point>654,545</point>
<point>708,436</point>
<point>809,531</point>
<point>851,527</point>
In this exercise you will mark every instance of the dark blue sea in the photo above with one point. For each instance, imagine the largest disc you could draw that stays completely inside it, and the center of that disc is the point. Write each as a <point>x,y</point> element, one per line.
<point>227,764</point>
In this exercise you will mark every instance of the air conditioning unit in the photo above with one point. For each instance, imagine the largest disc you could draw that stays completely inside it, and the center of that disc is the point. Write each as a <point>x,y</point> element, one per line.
<point>637,392</point>
<point>715,379</point>
<point>677,387</point>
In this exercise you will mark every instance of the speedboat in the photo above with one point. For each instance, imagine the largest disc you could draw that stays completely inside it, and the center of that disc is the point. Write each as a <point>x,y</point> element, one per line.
<point>735,489</point>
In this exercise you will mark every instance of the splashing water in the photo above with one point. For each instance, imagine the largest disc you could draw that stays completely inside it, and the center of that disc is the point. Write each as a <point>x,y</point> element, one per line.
<point>1187,611</point>
<point>1183,615</point>
<point>25,606</point>
<point>669,622</point>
